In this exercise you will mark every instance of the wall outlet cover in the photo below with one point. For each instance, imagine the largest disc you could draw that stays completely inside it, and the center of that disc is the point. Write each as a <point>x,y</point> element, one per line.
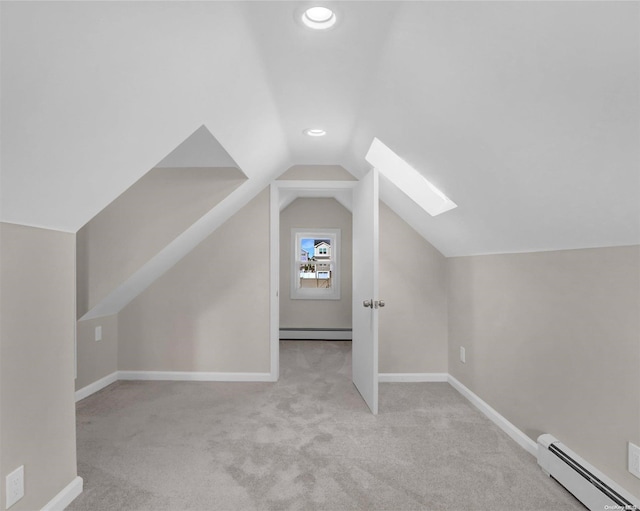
<point>15,486</point>
<point>634,460</point>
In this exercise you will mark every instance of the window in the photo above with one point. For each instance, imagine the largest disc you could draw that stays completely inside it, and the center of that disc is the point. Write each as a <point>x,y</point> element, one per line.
<point>315,272</point>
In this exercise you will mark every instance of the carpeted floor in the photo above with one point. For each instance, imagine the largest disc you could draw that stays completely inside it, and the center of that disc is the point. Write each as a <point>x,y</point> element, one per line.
<point>307,442</point>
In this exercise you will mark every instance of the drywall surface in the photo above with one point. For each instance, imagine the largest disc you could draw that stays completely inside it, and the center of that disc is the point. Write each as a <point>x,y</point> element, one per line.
<point>210,312</point>
<point>143,220</point>
<point>553,344</point>
<point>317,172</point>
<point>413,285</point>
<point>315,214</point>
<point>96,359</point>
<point>37,317</point>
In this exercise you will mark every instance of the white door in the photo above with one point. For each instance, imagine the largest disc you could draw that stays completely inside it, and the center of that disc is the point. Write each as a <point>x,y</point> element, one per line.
<point>365,289</point>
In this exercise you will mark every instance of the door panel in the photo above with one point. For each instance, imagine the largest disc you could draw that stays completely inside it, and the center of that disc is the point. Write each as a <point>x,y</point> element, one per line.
<point>365,287</point>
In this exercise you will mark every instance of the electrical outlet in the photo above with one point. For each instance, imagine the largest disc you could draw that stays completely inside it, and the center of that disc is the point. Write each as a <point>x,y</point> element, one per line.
<point>15,486</point>
<point>98,333</point>
<point>634,460</point>
<point>463,355</point>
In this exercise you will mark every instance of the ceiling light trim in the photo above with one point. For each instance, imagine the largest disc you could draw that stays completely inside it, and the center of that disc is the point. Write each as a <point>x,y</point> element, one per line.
<point>315,132</point>
<point>319,17</point>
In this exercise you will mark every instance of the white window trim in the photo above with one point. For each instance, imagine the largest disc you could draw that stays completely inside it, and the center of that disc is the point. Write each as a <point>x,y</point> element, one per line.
<point>298,293</point>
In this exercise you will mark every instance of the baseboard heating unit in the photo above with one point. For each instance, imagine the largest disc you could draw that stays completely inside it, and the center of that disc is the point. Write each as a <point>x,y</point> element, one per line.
<point>332,334</point>
<point>591,487</point>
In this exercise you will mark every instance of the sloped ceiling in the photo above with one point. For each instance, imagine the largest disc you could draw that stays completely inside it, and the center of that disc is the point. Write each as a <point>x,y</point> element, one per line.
<point>95,94</point>
<point>526,114</point>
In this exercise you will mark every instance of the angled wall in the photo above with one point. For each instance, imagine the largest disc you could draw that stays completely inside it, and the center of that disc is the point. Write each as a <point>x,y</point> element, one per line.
<point>142,221</point>
<point>315,173</point>
<point>209,312</point>
<point>37,317</point>
<point>553,344</point>
<point>413,284</point>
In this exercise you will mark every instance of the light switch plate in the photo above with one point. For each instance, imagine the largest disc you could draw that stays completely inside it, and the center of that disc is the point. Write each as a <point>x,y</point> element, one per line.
<point>98,336</point>
<point>463,355</point>
<point>634,460</point>
<point>15,486</point>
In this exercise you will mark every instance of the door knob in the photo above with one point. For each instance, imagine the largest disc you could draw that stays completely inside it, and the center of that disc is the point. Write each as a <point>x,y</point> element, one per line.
<point>379,303</point>
<point>368,303</point>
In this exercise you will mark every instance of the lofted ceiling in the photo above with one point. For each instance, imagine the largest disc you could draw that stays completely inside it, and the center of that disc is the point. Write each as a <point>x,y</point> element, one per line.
<point>526,114</point>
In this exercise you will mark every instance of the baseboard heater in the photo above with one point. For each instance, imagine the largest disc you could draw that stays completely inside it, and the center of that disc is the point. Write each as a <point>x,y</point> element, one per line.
<point>332,334</point>
<point>590,486</point>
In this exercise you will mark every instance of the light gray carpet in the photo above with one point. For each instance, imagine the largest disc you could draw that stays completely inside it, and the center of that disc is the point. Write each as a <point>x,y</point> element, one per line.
<point>307,442</point>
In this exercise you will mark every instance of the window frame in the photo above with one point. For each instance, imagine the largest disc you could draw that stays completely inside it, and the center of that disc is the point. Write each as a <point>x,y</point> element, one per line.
<point>299,293</point>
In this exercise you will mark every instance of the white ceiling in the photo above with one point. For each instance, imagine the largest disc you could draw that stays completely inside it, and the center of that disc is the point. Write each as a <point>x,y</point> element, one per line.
<point>526,114</point>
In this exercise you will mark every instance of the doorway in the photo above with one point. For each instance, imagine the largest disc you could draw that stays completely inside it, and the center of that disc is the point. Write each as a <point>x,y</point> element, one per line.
<point>315,269</point>
<point>313,311</point>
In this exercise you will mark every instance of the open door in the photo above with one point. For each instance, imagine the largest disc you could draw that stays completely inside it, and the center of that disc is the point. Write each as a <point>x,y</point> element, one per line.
<point>365,289</point>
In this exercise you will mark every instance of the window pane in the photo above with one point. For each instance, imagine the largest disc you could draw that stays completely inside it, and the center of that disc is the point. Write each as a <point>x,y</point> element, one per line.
<point>315,267</point>
<point>306,249</point>
<point>315,270</point>
<point>315,275</point>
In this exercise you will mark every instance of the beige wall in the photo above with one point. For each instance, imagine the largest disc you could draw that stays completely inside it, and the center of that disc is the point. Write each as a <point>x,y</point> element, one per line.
<point>37,317</point>
<point>553,344</point>
<point>210,312</point>
<point>315,214</point>
<point>143,220</point>
<point>413,284</point>
<point>96,359</point>
<point>316,172</point>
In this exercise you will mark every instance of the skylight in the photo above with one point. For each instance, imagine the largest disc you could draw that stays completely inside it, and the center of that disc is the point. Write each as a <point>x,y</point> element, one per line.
<point>408,179</point>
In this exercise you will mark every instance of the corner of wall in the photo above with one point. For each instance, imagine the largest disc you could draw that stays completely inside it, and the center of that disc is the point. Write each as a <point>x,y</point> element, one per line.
<point>524,318</point>
<point>38,272</point>
<point>97,349</point>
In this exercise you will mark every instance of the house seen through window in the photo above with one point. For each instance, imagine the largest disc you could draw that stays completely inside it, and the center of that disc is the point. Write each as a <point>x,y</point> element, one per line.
<point>315,268</point>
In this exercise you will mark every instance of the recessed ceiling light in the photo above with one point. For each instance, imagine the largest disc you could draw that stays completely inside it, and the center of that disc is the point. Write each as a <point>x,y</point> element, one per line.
<point>319,18</point>
<point>315,132</point>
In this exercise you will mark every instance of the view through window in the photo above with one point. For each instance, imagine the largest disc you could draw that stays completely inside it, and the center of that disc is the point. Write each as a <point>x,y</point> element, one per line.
<point>315,269</point>
<point>316,266</point>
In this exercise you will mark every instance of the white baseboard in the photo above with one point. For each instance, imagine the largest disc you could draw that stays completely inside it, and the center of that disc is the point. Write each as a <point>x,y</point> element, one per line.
<point>65,497</point>
<point>96,386</point>
<point>193,376</point>
<point>412,377</point>
<point>518,436</point>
